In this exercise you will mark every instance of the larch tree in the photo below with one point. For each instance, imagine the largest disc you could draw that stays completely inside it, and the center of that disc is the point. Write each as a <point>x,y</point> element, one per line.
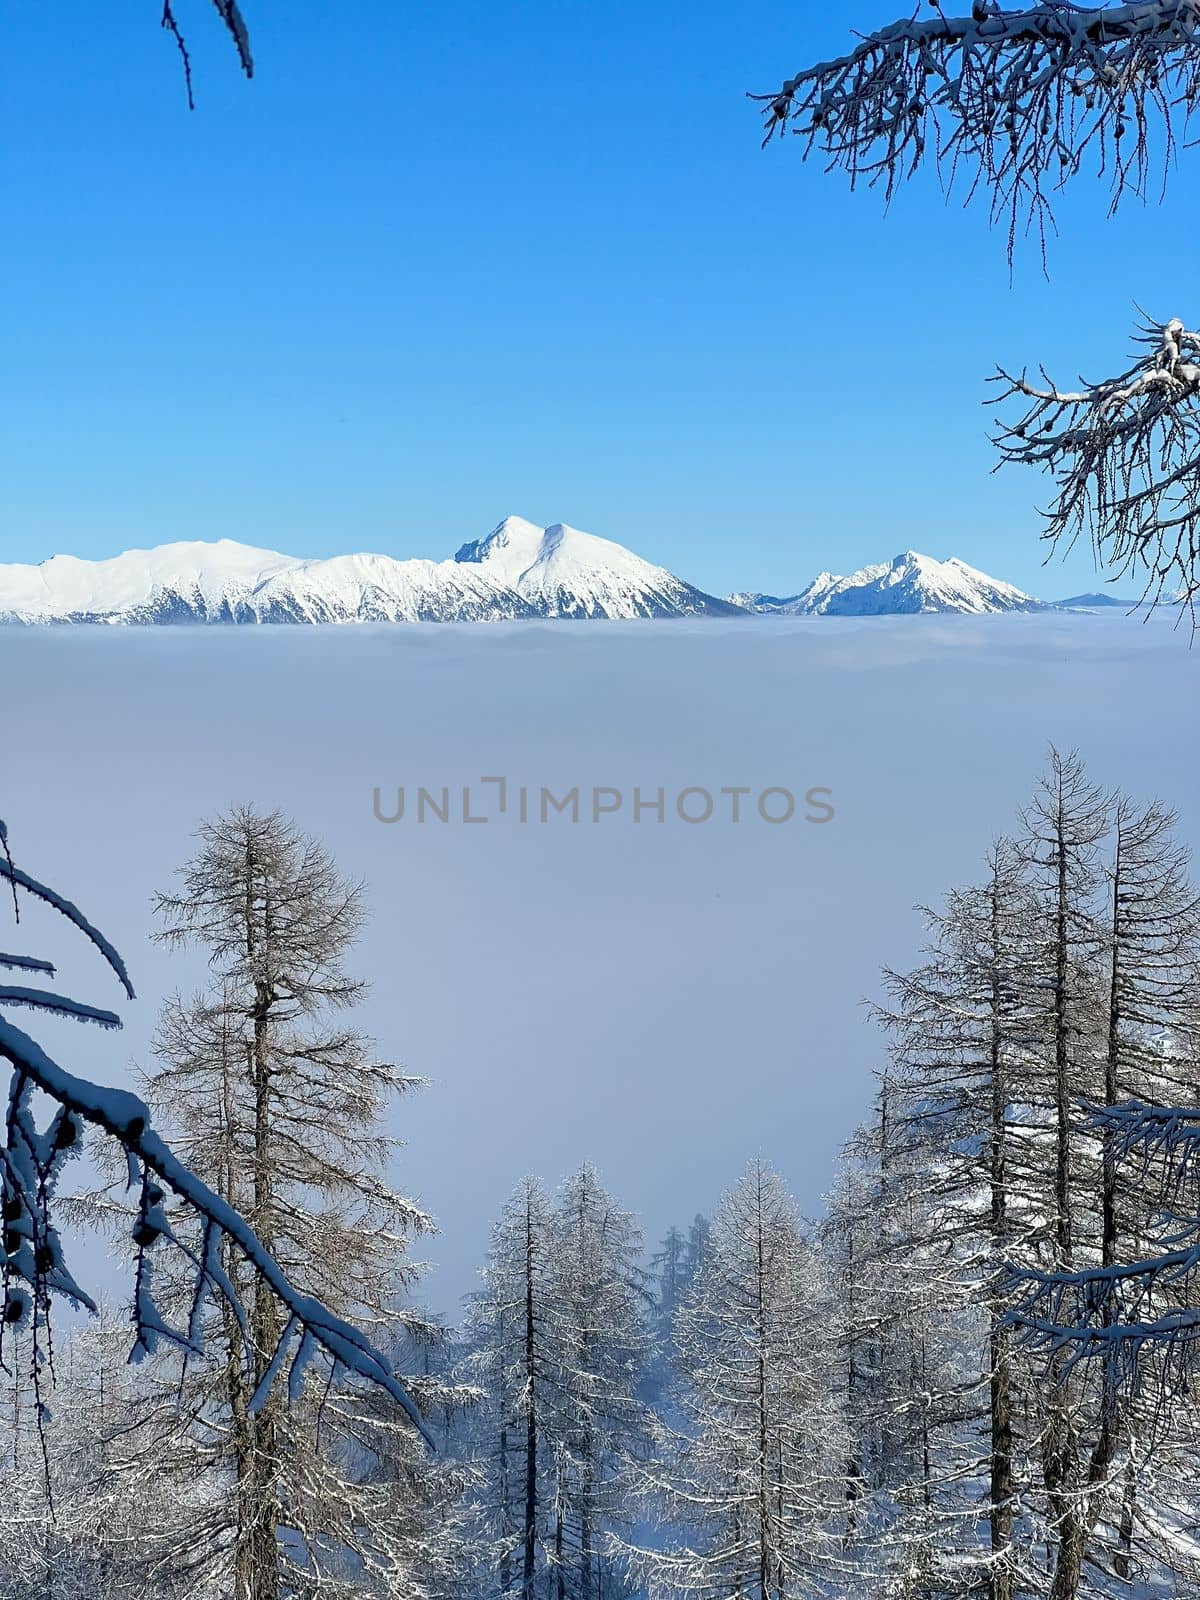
<point>668,1267</point>
<point>935,1203</point>
<point>268,1091</point>
<point>749,1486</point>
<point>1120,1319</point>
<point>1120,950</point>
<point>600,1288</point>
<point>179,1228</point>
<point>88,1513</point>
<point>990,1189</point>
<point>673,1270</point>
<point>519,1337</point>
<point>695,1254</point>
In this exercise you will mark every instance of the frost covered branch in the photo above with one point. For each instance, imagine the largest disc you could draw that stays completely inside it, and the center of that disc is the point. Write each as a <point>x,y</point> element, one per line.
<point>1125,458</point>
<point>1121,1314</point>
<point>1016,98</point>
<point>31,1164</point>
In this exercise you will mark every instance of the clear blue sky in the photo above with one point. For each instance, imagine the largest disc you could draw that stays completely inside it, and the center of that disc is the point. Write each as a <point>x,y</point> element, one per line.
<point>442,263</point>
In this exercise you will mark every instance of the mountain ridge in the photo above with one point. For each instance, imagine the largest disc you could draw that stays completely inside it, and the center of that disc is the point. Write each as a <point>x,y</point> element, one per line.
<point>519,571</point>
<point>911,584</point>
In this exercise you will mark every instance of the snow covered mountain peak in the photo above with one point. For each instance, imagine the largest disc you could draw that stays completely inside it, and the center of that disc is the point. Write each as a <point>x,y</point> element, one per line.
<point>513,534</point>
<point>911,583</point>
<point>567,573</point>
<point>520,570</point>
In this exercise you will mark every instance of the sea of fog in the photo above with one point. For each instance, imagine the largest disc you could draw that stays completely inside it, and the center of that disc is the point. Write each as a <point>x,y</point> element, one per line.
<point>664,999</point>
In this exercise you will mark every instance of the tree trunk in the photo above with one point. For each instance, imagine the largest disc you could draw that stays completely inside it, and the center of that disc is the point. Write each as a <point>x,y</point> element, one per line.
<point>531,1438</point>
<point>764,1497</point>
<point>264,1329</point>
<point>1001,1576</point>
<point>1059,1445</point>
<point>505,1552</point>
<point>1122,1563</point>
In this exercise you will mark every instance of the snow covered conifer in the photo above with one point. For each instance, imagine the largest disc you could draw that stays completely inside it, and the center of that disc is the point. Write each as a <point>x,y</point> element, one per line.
<point>750,1490</point>
<point>602,1298</point>
<point>1066,980</point>
<point>166,1195</point>
<point>271,1094</point>
<point>673,1270</point>
<point>519,1341</point>
<point>961,1183</point>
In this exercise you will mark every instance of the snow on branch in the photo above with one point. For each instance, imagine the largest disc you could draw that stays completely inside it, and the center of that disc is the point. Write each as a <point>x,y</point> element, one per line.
<point>26,964</point>
<point>1124,455</point>
<point>1123,1313</point>
<point>31,1164</point>
<point>230,14</point>
<point>21,880</point>
<point>1015,98</point>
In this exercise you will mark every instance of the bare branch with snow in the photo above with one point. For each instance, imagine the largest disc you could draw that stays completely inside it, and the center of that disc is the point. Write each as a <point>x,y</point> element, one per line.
<point>1123,1314</point>
<point>32,1159</point>
<point>1015,100</point>
<point>1124,455</point>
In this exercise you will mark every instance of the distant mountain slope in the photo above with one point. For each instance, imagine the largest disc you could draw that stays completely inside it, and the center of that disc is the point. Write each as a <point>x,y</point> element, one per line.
<point>1094,602</point>
<point>912,584</point>
<point>518,571</point>
<point>366,588</point>
<point>205,580</point>
<point>565,573</point>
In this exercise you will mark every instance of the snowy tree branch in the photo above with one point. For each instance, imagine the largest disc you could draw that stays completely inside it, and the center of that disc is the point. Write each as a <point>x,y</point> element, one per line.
<point>1120,1314</point>
<point>1016,98</point>
<point>1124,455</point>
<point>31,1164</point>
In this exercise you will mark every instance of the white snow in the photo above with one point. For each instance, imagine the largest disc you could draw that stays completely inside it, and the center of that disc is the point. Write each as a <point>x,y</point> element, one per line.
<point>566,573</point>
<point>518,571</point>
<point>372,588</point>
<point>910,584</point>
<point>66,586</point>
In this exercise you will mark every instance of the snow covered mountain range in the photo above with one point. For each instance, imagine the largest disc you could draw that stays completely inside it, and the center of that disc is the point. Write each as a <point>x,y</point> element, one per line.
<point>910,584</point>
<point>518,571</point>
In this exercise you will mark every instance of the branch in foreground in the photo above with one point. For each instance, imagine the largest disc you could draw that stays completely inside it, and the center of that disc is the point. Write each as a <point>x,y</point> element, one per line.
<point>31,1162</point>
<point>1124,455</point>
<point>230,14</point>
<point>1121,1315</point>
<point>1017,98</point>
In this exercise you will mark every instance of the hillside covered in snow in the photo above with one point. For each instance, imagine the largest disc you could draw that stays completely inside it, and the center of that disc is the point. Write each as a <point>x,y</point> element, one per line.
<point>519,571</point>
<point>911,584</point>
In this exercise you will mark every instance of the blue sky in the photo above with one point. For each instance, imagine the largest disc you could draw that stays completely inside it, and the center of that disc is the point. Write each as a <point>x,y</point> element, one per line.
<point>438,264</point>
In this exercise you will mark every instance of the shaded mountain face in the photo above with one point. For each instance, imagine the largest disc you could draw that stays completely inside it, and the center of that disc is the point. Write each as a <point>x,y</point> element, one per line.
<point>912,584</point>
<point>518,571</point>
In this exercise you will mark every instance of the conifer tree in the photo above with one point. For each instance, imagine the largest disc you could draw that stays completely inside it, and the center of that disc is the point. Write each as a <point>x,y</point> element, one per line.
<point>751,1485</point>
<point>269,1092</point>
<point>517,1336</point>
<point>600,1290</point>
